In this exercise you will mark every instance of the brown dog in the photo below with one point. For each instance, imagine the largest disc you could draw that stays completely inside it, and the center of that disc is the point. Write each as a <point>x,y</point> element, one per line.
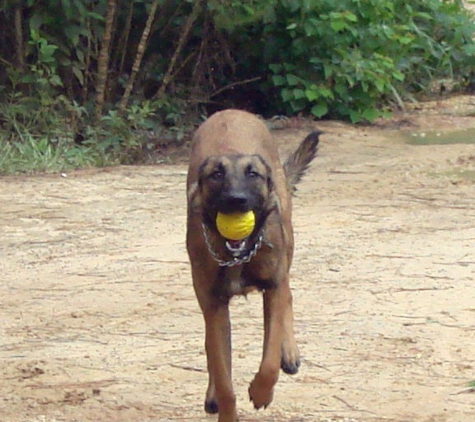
<point>235,167</point>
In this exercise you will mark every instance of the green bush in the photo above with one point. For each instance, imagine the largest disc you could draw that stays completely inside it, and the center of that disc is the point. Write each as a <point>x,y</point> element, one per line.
<point>348,58</point>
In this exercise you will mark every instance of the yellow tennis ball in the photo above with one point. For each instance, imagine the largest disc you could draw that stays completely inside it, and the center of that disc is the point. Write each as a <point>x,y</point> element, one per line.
<point>236,226</point>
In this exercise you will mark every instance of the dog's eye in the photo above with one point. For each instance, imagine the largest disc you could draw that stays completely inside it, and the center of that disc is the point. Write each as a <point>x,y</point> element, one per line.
<point>217,175</point>
<point>253,174</point>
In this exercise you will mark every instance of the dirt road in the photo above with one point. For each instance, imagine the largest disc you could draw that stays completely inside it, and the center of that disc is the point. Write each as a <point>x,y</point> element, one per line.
<point>98,321</point>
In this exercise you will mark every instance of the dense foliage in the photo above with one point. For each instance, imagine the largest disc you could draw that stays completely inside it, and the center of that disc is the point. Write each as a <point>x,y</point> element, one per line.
<point>96,82</point>
<point>349,58</point>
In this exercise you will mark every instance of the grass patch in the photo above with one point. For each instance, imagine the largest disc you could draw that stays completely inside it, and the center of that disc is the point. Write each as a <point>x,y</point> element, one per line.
<point>442,138</point>
<point>40,154</point>
<point>50,135</point>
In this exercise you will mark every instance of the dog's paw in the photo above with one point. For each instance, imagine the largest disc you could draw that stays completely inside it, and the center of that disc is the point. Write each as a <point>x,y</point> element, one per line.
<point>290,361</point>
<point>260,394</point>
<point>290,367</point>
<point>211,406</point>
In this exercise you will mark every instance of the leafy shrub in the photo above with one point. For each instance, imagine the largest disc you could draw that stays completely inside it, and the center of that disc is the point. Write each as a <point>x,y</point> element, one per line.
<point>348,58</point>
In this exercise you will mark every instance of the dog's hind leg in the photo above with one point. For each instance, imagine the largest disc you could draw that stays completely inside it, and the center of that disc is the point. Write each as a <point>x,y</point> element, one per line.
<point>211,404</point>
<point>220,396</point>
<point>276,302</point>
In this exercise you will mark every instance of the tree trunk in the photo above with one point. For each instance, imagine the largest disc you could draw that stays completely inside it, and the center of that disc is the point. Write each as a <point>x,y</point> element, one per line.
<point>87,66</point>
<point>103,61</point>
<point>19,42</point>
<point>138,57</point>
<point>124,39</point>
<point>181,43</point>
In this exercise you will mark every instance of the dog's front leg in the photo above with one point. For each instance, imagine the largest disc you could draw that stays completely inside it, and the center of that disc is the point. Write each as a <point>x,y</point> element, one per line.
<point>276,302</point>
<point>220,392</point>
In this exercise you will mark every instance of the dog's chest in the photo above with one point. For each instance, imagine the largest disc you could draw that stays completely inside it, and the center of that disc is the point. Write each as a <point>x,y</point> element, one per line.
<point>242,279</point>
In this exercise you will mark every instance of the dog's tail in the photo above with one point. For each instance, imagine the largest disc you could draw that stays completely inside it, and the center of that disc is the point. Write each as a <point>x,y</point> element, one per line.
<point>298,162</point>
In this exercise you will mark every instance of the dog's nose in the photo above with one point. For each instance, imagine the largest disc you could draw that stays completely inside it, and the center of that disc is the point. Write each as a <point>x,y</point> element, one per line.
<point>234,202</point>
<point>237,200</point>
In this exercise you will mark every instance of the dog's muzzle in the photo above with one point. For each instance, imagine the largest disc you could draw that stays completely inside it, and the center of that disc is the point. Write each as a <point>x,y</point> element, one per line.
<point>234,202</point>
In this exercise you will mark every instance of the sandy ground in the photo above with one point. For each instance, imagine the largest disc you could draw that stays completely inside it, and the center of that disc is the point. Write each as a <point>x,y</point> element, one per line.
<point>98,320</point>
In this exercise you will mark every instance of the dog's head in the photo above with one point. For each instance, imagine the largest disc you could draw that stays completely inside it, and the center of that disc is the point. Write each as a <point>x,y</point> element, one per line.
<point>235,184</point>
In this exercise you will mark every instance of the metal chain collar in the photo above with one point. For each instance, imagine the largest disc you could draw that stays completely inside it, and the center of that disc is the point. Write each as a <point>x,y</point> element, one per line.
<point>234,261</point>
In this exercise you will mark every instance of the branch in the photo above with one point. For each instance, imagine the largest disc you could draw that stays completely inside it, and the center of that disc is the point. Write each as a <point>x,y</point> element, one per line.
<point>230,86</point>
<point>138,57</point>
<point>181,43</point>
